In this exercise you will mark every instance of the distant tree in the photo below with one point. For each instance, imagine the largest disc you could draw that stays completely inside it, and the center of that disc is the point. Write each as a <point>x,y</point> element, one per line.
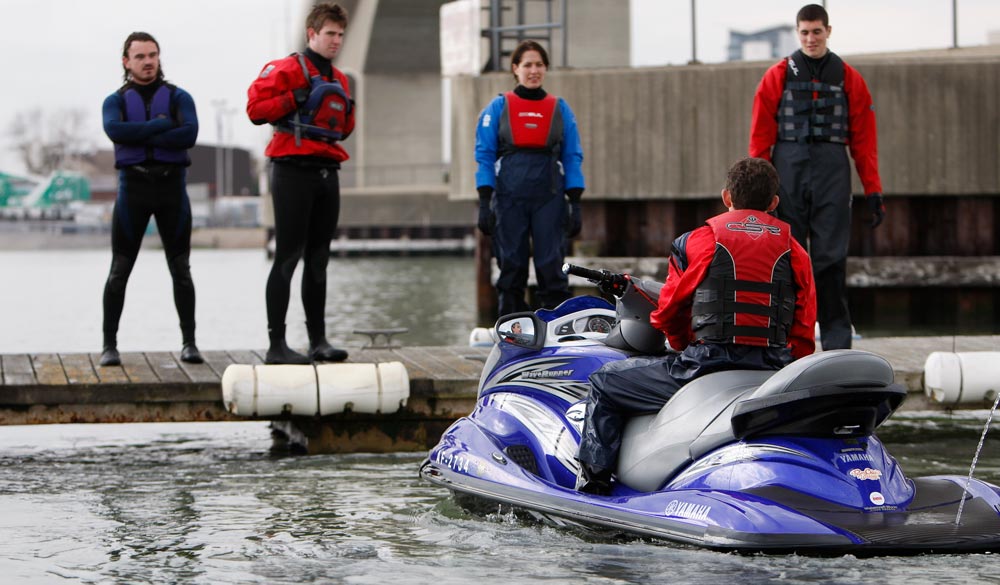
<point>50,140</point>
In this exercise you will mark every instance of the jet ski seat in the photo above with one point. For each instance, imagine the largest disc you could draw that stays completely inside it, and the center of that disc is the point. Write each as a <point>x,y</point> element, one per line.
<point>720,408</point>
<point>654,446</point>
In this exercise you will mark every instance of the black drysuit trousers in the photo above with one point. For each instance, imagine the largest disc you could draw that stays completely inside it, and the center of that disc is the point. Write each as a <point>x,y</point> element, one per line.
<point>815,199</point>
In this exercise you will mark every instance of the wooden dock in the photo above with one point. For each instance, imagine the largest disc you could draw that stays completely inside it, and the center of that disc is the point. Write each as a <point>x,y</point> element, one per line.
<point>158,387</point>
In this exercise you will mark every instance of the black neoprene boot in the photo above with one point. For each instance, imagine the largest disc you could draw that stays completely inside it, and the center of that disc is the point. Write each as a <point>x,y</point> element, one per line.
<point>190,354</point>
<point>110,357</point>
<point>320,349</point>
<point>594,480</point>
<point>109,353</point>
<point>279,352</point>
<point>189,351</point>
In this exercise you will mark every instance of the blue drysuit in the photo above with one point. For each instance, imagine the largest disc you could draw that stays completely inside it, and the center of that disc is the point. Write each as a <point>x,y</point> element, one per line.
<point>528,202</point>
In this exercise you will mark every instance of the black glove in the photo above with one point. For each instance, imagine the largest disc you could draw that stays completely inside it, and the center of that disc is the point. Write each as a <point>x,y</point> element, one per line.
<point>877,206</point>
<point>301,95</point>
<point>575,219</point>
<point>486,217</point>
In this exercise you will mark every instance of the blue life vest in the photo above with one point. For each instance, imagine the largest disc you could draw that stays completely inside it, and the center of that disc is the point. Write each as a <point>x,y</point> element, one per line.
<point>137,110</point>
<point>813,110</point>
<point>529,136</point>
<point>324,113</point>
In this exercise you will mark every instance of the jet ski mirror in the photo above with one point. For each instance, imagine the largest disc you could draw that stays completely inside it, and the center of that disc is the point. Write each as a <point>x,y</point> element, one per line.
<point>521,329</point>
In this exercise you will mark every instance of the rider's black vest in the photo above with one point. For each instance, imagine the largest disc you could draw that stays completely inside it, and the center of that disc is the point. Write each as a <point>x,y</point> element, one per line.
<point>813,109</point>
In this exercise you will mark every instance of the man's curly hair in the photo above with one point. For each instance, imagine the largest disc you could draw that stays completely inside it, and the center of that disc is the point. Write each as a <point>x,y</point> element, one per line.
<point>752,182</point>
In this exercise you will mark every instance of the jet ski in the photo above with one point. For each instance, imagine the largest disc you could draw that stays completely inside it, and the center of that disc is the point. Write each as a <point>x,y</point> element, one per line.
<point>743,461</point>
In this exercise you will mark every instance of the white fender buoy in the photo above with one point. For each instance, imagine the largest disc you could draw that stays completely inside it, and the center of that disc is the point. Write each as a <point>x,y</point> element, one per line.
<point>482,337</point>
<point>367,388</point>
<point>962,378</point>
<point>269,390</point>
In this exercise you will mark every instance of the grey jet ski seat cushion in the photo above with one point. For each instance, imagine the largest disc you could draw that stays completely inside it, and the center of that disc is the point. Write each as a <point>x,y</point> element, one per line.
<point>698,419</point>
<point>655,446</point>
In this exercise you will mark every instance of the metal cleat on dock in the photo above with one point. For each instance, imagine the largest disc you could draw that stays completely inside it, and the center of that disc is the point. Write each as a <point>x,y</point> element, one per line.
<point>374,334</point>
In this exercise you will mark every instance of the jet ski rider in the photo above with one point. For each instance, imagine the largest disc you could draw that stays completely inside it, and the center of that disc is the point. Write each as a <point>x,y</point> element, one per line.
<point>739,295</point>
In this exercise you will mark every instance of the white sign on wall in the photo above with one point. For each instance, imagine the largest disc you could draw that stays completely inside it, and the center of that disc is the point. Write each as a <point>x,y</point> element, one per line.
<point>461,38</point>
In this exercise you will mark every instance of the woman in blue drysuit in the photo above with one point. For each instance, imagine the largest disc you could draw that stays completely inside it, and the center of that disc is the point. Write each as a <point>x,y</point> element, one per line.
<point>530,181</point>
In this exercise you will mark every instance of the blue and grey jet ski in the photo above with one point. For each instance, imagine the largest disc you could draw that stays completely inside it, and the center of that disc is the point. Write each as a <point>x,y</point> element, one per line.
<point>745,461</point>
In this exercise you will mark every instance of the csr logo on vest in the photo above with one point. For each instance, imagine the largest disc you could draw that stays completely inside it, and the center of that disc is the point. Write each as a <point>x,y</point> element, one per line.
<point>752,228</point>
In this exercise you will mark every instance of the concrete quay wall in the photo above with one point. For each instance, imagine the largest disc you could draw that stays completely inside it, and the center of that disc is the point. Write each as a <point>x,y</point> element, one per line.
<point>671,132</point>
<point>658,141</point>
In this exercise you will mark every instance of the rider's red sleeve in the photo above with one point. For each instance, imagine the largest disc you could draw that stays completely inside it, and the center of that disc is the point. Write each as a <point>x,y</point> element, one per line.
<point>685,273</point>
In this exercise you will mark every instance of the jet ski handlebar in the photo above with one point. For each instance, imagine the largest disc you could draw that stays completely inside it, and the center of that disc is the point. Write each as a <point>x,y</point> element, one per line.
<point>608,282</point>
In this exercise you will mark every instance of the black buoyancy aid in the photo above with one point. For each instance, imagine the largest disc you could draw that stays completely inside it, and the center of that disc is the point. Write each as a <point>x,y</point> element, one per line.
<point>813,109</point>
<point>748,294</point>
<point>325,112</point>
<point>136,109</point>
<point>529,137</point>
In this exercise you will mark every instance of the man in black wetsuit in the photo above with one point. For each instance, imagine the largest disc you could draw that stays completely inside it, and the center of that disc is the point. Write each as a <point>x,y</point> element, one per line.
<point>306,99</point>
<point>152,124</point>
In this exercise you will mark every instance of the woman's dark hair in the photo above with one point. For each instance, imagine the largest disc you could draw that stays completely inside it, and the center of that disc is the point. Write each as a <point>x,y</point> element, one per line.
<point>141,37</point>
<point>522,48</point>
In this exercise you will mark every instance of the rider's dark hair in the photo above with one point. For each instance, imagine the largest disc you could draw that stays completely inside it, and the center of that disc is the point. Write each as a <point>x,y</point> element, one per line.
<point>752,183</point>
<point>141,37</point>
<point>811,12</point>
<point>522,48</point>
<point>323,12</point>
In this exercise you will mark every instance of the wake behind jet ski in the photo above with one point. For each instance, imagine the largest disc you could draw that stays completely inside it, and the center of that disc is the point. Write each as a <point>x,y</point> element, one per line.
<point>748,461</point>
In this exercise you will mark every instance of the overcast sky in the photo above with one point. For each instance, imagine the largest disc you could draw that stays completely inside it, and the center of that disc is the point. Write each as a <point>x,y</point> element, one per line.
<point>63,54</point>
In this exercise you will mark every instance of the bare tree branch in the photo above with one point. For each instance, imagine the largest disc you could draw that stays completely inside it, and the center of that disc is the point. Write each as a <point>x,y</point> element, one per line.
<point>47,142</point>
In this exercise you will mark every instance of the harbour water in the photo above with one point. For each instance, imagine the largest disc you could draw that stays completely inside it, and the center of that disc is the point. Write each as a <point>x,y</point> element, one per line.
<point>50,301</point>
<point>207,503</point>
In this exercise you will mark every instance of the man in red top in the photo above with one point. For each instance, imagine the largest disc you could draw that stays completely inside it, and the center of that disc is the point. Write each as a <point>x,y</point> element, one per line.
<point>739,296</point>
<point>807,108</point>
<point>306,99</point>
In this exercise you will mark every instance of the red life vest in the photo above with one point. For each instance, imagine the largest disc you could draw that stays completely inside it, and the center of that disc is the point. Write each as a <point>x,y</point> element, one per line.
<point>748,294</point>
<point>529,124</point>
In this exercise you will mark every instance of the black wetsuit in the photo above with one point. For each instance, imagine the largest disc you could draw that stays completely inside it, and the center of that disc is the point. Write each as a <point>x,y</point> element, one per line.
<point>151,189</point>
<point>306,196</point>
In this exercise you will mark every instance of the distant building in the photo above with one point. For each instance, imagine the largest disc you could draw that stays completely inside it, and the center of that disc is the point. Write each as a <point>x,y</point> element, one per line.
<point>770,43</point>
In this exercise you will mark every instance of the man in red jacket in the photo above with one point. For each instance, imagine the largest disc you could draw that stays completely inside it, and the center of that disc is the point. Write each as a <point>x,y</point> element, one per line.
<point>306,99</point>
<point>739,296</point>
<point>809,109</point>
